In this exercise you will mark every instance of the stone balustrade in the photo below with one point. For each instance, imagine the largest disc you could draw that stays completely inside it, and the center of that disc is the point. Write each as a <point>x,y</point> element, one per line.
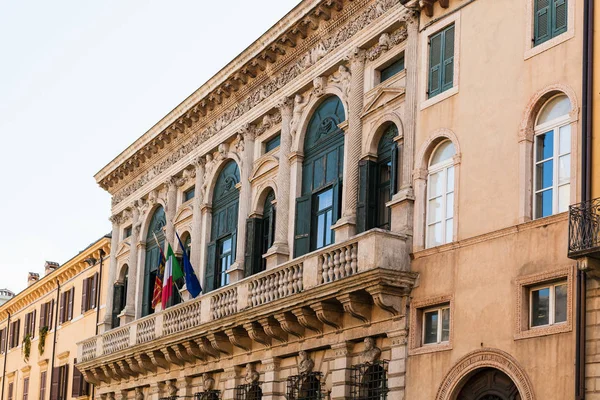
<point>359,254</point>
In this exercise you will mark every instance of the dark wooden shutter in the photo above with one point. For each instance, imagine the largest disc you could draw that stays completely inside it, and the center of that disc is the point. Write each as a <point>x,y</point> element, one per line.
<point>2,341</point>
<point>435,64</point>
<point>77,386</point>
<point>10,391</point>
<point>209,272</point>
<point>51,315</point>
<point>118,294</point>
<point>448,63</point>
<point>61,312</point>
<point>43,314</point>
<point>302,225</point>
<point>367,194</point>
<point>94,291</point>
<point>32,321</point>
<point>71,298</point>
<point>395,173</point>
<point>559,17</point>
<point>27,325</point>
<point>253,250</point>
<point>64,382</point>
<point>542,21</point>
<point>25,388</point>
<point>43,377</point>
<point>84,295</point>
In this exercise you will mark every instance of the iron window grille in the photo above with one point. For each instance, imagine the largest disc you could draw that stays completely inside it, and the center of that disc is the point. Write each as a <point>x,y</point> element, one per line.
<point>208,395</point>
<point>305,387</point>
<point>250,391</point>
<point>369,381</point>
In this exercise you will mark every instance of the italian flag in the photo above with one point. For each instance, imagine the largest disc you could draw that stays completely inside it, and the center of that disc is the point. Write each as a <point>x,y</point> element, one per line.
<point>173,273</point>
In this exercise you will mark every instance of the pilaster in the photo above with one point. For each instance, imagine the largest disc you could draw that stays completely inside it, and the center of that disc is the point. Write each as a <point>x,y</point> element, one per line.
<point>340,371</point>
<point>197,216</point>
<point>171,208</point>
<point>397,364</point>
<point>128,313</point>
<point>112,272</point>
<point>272,388</point>
<point>231,376</point>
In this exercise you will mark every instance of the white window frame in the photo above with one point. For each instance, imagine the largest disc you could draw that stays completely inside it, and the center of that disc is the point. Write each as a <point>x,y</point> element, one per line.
<point>439,311</point>
<point>552,303</point>
<point>555,125</point>
<point>441,167</point>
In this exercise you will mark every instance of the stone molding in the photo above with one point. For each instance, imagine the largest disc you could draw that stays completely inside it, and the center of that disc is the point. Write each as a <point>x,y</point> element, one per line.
<point>415,346</point>
<point>485,358</point>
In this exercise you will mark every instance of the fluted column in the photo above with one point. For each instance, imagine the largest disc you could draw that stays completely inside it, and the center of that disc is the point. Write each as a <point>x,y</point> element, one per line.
<point>246,151</point>
<point>171,208</point>
<point>346,226</point>
<point>112,272</point>
<point>280,251</point>
<point>129,313</point>
<point>197,216</point>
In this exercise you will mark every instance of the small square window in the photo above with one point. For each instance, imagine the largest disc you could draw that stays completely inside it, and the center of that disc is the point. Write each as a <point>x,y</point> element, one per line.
<point>391,69</point>
<point>436,325</point>
<point>548,305</point>
<point>127,232</point>
<point>272,143</point>
<point>189,194</point>
<point>432,319</point>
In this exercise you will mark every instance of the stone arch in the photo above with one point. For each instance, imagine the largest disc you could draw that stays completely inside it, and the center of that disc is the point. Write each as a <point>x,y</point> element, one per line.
<point>123,270</point>
<point>374,135</point>
<point>148,218</point>
<point>312,105</point>
<point>261,194</point>
<point>184,236</point>
<point>218,166</point>
<point>477,360</point>
<point>438,136</point>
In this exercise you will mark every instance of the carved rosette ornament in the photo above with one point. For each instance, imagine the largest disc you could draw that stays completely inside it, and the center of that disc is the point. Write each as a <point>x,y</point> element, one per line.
<point>371,352</point>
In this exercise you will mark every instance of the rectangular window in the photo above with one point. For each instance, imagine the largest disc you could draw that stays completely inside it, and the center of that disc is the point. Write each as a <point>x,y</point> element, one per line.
<point>25,388</point>
<point>436,325</point>
<point>127,232</point>
<point>3,341</point>
<point>273,143</point>
<point>548,305</point>
<point>189,194</point>
<point>89,293</point>
<point>66,305</point>
<point>14,335</point>
<point>43,385</point>
<point>324,218</point>
<point>392,69</point>
<point>225,259</point>
<point>549,19</point>
<point>79,386</point>
<point>441,61</point>
<point>47,315</point>
<point>29,328</point>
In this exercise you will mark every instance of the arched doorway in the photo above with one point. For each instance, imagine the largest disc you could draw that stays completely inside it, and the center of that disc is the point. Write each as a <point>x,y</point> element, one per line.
<point>155,234</point>
<point>489,384</point>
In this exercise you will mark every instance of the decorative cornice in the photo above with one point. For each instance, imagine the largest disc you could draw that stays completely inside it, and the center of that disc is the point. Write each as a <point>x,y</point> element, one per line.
<point>386,42</point>
<point>282,72</point>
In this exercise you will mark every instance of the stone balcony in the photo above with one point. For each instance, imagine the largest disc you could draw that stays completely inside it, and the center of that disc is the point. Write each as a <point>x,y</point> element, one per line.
<point>358,283</point>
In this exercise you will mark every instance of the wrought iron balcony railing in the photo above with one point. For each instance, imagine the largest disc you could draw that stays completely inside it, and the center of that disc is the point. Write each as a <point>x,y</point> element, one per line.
<point>584,229</point>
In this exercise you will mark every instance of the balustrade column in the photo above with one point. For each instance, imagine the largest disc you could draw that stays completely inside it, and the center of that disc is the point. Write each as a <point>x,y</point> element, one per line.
<point>129,313</point>
<point>340,371</point>
<point>397,364</point>
<point>280,251</point>
<point>245,202</point>
<point>272,387</point>
<point>171,209</point>
<point>197,217</point>
<point>112,272</point>
<point>346,226</point>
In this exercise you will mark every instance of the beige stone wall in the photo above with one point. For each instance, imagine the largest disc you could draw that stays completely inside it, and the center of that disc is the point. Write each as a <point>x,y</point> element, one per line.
<point>70,275</point>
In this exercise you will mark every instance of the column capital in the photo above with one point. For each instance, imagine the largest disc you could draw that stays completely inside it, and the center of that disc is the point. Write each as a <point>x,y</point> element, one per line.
<point>357,56</point>
<point>399,337</point>
<point>116,219</point>
<point>286,106</point>
<point>343,349</point>
<point>271,364</point>
<point>199,162</point>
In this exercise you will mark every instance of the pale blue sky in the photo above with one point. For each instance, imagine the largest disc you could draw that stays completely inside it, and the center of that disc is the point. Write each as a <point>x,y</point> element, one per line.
<point>80,80</point>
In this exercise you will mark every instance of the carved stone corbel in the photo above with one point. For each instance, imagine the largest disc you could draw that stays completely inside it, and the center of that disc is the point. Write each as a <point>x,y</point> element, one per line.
<point>145,362</point>
<point>388,299</point>
<point>329,314</point>
<point>158,359</point>
<point>193,349</point>
<point>273,329</point>
<point>107,373</point>
<point>356,305</point>
<point>135,366</point>
<point>126,369</point>
<point>239,338</point>
<point>257,334</point>
<point>90,377</point>
<point>171,357</point>
<point>206,347</point>
<point>290,324</point>
<point>220,343</point>
<point>307,319</point>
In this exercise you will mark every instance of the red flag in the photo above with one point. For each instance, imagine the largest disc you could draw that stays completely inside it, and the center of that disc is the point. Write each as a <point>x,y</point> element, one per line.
<point>158,283</point>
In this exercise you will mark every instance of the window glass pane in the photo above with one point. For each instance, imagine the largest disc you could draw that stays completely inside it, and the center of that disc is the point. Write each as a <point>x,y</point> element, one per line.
<point>443,152</point>
<point>385,171</point>
<point>564,145</point>
<point>450,180</point>
<point>564,197</point>
<point>449,205</point>
<point>328,220</point>
<point>564,169</point>
<point>445,324</point>
<point>543,204</point>
<point>189,194</point>
<point>434,235</point>
<point>324,200</point>
<point>540,307</point>
<point>449,230</point>
<point>544,174</point>
<point>431,327</point>
<point>320,230</point>
<point>392,69</point>
<point>555,108</point>
<point>435,185</point>
<point>226,247</point>
<point>273,143</point>
<point>544,146</point>
<point>560,306</point>
<point>434,212</point>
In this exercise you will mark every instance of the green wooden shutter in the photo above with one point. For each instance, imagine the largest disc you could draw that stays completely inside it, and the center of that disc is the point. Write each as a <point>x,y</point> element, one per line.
<point>253,250</point>
<point>337,201</point>
<point>302,225</point>
<point>118,295</point>
<point>367,193</point>
<point>435,64</point>
<point>394,175</point>
<point>448,59</point>
<point>542,21</point>
<point>559,17</point>
<point>209,272</point>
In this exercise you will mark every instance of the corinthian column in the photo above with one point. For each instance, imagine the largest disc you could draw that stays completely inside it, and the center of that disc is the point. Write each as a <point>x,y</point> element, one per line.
<point>280,251</point>
<point>197,216</point>
<point>171,208</point>
<point>112,272</point>
<point>346,226</point>
<point>129,313</point>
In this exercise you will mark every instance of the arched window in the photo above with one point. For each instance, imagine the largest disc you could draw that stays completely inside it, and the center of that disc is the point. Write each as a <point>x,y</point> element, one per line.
<point>260,233</point>
<point>552,158</point>
<point>378,183</point>
<point>223,236</point>
<point>154,238</point>
<point>440,195</point>
<point>319,206</point>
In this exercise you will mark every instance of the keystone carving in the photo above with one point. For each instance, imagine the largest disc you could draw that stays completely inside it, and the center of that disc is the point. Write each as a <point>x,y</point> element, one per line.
<point>139,393</point>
